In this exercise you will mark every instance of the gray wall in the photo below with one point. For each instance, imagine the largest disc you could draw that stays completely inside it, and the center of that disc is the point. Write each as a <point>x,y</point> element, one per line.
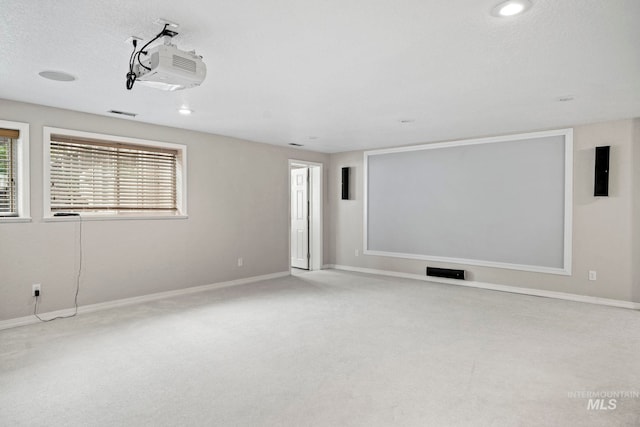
<point>602,227</point>
<point>237,205</point>
<point>635,218</point>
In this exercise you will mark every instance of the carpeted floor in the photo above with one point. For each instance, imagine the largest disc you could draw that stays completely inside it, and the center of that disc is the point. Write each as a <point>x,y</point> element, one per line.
<point>328,348</point>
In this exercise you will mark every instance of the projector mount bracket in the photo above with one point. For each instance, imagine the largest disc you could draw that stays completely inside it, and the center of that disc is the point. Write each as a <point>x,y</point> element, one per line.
<point>166,32</point>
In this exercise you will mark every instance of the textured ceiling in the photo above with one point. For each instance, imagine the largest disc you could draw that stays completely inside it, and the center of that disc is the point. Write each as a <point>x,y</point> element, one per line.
<point>343,71</point>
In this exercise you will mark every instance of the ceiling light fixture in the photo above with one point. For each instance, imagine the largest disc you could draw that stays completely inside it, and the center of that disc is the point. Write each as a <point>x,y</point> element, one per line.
<point>185,111</point>
<point>511,8</point>
<point>405,121</point>
<point>58,76</point>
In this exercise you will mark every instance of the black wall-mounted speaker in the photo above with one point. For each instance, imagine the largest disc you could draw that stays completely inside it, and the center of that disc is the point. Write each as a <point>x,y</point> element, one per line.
<point>601,181</point>
<point>345,183</point>
<point>445,272</point>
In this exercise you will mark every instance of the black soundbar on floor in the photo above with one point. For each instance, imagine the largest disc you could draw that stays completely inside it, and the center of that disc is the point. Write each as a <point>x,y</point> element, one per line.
<point>445,272</point>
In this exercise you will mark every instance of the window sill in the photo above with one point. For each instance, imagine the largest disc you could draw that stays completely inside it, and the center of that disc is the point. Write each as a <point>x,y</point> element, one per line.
<point>10,219</point>
<point>105,217</point>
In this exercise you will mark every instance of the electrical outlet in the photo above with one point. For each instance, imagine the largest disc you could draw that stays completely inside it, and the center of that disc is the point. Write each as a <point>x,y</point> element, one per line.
<point>35,287</point>
<point>240,262</point>
<point>357,252</point>
<point>593,275</point>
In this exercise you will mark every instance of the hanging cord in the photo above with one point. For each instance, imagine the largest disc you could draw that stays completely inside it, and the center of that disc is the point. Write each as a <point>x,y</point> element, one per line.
<point>75,300</point>
<point>131,75</point>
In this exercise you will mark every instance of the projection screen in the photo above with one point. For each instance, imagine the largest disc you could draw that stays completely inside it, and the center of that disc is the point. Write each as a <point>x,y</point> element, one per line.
<point>498,202</point>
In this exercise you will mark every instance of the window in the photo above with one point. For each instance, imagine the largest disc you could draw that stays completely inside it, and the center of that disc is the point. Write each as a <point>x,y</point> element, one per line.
<point>8,138</point>
<point>14,171</point>
<point>113,176</point>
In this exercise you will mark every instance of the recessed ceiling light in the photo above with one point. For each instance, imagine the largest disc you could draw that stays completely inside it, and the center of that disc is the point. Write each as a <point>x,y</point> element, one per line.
<point>407,120</point>
<point>185,111</point>
<point>511,8</point>
<point>58,76</point>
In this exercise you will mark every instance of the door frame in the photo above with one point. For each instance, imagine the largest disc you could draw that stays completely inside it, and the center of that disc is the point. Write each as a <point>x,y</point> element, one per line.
<point>316,248</point>
<point>300,217</point>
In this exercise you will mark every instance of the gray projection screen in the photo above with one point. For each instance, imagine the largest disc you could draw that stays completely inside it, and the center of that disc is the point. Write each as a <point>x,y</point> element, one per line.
<point>498,202</point>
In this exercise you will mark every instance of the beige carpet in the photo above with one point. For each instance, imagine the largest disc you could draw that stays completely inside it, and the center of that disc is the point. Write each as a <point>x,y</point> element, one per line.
<point>327,348</point>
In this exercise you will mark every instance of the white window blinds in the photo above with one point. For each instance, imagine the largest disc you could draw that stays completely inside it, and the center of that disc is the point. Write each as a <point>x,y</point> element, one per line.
<point>102,176</point>
<point>8,162</point>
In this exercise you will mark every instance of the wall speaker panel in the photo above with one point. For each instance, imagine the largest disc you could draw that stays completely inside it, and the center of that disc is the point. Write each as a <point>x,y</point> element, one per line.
<point>601,181</point>
<point>345,183</point>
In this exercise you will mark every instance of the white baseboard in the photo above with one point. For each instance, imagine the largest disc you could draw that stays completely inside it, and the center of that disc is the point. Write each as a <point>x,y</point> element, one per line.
<point>28,320</point>
<point>494,287</point>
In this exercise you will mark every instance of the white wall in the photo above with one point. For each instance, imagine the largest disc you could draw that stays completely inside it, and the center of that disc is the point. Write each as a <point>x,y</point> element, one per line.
<point>238,206</point>
<point>602,227</point>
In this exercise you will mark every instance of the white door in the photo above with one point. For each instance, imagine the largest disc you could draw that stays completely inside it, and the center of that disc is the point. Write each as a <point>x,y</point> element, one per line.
<point>300,218</point>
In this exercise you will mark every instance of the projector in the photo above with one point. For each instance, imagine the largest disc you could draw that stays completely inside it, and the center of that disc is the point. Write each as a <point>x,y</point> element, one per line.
<point>169,68</point>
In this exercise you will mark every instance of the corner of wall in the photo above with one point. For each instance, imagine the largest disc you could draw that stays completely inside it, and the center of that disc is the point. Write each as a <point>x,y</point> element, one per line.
<point>635,162</point>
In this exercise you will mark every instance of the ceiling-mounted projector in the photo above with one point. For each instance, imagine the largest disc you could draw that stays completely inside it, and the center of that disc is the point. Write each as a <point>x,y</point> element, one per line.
<point>168,68</point>
<point>165,66</point>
